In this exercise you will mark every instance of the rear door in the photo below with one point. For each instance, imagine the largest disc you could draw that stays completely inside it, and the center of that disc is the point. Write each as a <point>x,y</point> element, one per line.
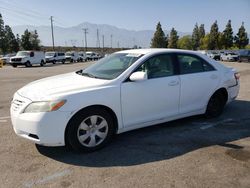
<point>198,80</point>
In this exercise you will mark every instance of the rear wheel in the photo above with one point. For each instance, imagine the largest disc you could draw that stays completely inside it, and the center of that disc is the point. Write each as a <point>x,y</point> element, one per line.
<point>215,106</point>
<point>90,130</point>
<point>42,63</point>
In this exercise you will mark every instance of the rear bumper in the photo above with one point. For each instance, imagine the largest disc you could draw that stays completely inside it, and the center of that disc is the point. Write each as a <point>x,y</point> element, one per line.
<point>233,92</point>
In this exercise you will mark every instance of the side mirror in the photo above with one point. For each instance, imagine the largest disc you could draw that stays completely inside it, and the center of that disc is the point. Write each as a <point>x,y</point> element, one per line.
<point>138,76</point>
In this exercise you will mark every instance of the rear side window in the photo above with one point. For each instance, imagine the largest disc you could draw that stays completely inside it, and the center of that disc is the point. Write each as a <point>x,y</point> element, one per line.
<point>192,64</point>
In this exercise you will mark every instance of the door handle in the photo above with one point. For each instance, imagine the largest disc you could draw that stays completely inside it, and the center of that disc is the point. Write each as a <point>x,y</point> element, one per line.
<point>173,83</point>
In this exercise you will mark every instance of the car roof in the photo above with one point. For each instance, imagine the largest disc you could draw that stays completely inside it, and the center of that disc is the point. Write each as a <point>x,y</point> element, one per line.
<point>155,50</point>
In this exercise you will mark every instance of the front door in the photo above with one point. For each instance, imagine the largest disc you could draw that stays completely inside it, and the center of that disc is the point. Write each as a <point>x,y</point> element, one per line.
<point>155,98</point>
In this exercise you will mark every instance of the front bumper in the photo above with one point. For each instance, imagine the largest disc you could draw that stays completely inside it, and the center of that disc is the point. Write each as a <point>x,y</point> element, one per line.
<point>45,128</point>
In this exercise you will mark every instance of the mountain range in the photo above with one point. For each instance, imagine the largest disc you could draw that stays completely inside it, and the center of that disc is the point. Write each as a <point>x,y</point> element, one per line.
<point>74,36</point>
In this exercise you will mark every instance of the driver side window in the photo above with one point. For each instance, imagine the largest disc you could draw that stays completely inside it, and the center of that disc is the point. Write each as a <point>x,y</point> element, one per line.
<point>158,66</point>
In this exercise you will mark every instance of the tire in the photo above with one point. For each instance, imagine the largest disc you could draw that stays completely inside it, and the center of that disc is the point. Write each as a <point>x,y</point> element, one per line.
<point>28,64</point>
<point>90,130</point>
<point>71,60</point>
<point>215,106</point>
<point>54,62</point>
<point>13,65</point>
<point>42,63</point>
<point>63,61</point>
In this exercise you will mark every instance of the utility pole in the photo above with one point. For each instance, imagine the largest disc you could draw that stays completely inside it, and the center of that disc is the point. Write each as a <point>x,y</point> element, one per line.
<point>111,36</point>
<point>103,43</point>
<point>52,32</point>
<point>85,36</point>
<point>97,39</point>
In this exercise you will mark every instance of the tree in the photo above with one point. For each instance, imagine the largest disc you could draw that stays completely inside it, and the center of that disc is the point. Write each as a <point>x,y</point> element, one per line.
<point>173,38</point>
<point>185,42</point>
<point>214,36</point>
<point>159,39</point>
<point>11,42</point>
<point>3,46</point>
<point>202,32</point>
<point>16,46</point>
<point>35,41</point>
<point>25,40</point>
<point>195,37</point>
<point>241,39</point>
<point>205,42</point>
<point>227,36</point>
<point>30,40</point>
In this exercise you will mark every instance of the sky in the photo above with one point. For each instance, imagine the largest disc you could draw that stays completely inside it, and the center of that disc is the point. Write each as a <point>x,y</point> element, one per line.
<point>128,14</point>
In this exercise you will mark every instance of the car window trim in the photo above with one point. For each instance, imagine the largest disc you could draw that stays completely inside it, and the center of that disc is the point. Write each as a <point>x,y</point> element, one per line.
<point>192,55</point>
<point>175,64</point>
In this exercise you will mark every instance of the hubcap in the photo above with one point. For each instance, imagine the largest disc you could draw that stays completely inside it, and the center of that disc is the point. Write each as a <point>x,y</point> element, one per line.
<point>92,131</point>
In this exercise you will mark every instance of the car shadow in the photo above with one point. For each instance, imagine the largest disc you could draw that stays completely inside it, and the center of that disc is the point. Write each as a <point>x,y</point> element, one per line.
<point>164,141</point>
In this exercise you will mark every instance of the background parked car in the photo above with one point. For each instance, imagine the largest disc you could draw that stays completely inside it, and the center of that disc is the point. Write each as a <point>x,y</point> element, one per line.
<point>28,58</point>
<point>229,56</point>
<point>72,56</point>
<point>53,57</point>
<point>214,55</point>
<point>82,56</point>
<point>6,58</point>
<point>92,56</point>
<point>244,55</point>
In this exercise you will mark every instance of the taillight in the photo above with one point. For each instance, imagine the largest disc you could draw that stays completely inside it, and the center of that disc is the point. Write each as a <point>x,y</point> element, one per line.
<point>237,75</point>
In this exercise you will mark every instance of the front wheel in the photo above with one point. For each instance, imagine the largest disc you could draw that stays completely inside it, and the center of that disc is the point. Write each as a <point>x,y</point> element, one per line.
<point>90,130</point>
<point>28,64</point>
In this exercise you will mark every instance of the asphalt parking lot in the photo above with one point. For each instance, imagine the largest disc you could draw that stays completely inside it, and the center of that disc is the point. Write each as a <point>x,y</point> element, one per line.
<point>191,152</point>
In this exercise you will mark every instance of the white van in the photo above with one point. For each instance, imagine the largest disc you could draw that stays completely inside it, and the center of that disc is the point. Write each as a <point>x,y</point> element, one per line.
<point>82,56</point>
<point>72,56</point>
<point>28,58</point>
<point>53,57</point>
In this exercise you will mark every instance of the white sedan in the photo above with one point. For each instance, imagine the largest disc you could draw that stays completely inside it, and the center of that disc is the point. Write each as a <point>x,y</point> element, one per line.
<point>121,92</point>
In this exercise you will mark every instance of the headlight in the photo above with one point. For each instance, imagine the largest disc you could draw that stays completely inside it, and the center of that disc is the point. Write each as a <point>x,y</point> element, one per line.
<point>45,106</point>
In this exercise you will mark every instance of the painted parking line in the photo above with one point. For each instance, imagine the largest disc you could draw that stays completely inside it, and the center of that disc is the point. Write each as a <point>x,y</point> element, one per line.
<point>47,178</point>
<point>5,117</point>
<point>207,126</point>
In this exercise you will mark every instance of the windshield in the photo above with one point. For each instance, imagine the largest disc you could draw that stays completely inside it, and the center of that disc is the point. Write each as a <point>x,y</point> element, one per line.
<point>110,67</point>
<point>23,53</point>
<point>49,53</point>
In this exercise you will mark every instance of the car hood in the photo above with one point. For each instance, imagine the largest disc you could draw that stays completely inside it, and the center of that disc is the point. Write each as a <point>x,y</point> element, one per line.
<point>18,57</point>
<point>57,86</point>
<point>49,56</point>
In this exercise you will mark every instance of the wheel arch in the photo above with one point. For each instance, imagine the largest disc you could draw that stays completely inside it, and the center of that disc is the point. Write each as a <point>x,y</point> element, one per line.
<point>221,91</point>
<point>97,106</point>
